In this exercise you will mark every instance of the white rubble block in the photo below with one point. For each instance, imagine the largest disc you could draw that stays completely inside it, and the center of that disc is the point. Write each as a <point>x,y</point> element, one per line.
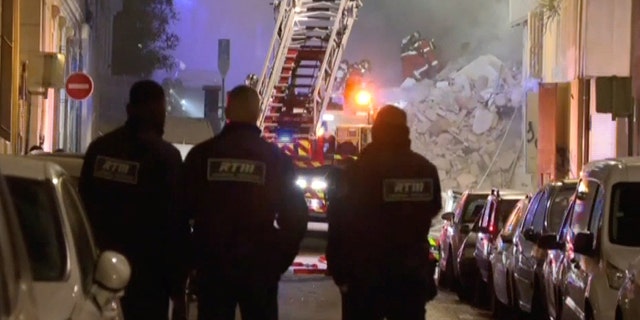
<point>483,120</point>
<point>488,66</point>
<point>408,82</point>
<point>466,179</point>
<point>442,84</point>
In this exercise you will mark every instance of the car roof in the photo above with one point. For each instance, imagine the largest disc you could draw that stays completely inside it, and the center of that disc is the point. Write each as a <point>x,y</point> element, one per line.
<point>24,167</point>
<point>70,162</point>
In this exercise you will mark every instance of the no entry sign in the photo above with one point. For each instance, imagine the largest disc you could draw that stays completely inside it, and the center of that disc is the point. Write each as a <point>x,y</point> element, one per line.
<point>79,86</point>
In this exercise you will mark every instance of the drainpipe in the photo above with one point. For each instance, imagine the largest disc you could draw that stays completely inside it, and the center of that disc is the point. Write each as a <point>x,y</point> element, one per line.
<point>586,86</point>
<point>634,130</point>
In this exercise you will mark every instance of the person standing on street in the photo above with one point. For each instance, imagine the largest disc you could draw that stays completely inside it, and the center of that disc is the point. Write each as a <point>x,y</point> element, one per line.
<point>130,184</point>
<point>239,184</point>
<point>378,253</point>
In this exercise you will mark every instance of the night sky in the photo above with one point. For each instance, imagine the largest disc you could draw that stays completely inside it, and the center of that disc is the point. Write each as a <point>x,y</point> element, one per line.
<point>459,27</point>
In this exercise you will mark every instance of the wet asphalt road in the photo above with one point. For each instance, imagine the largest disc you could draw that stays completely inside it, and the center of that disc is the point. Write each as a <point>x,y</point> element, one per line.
<point>315,297</point>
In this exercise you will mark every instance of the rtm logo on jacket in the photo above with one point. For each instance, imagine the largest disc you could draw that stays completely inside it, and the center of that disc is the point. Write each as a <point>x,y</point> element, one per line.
<point>401,190</point>
<point>236,170</point>
<point>116,170</point>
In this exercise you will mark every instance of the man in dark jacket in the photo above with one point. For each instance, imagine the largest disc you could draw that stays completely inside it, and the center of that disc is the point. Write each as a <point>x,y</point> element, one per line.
<point>130,182</point>
<point>239,184</point>
<point>378,252</point>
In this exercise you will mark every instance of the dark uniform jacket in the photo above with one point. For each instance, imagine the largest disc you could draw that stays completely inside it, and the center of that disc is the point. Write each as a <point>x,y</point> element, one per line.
<point>379,221</point>
<point>130,184</point>
<point>238,185</point>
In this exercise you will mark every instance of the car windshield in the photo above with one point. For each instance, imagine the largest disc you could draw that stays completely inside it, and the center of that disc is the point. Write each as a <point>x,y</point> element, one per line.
<point>473,207</point>
<point>624,216</point>
<point>41,226</point>
<point>558,207</point>
<point>504,210</point>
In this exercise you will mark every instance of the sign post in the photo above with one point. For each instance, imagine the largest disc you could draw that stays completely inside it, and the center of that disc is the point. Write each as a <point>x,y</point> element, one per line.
<point>224,62</point>
<point>79,86</point>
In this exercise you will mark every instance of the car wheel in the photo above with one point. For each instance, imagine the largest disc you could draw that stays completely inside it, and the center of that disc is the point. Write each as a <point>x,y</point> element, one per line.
<point>479,292</point>
<point>448,272</point>
<point>442,276</point>
<point>539,304</point>
<point>498,309</point>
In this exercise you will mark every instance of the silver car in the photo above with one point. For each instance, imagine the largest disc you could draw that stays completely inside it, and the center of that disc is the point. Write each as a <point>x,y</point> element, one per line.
<point>70,279</point>
<point>16,284</point>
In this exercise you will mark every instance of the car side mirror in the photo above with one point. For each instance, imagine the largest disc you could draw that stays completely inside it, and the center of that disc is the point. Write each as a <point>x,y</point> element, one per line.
<point>583,243</point>
<point>506,238</point>
<point>548,242</point>
<point>465,229</point>
<point>447,216</point>
<point>112,271</point>
<point>530,235</point>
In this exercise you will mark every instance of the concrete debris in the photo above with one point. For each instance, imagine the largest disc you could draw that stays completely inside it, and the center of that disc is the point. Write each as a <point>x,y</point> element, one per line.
<point>468,123</point>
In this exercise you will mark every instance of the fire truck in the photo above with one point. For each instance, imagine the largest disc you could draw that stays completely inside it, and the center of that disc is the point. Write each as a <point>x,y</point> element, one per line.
<point>296,87</point>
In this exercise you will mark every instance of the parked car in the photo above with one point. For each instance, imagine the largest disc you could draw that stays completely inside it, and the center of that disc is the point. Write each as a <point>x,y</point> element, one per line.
<point>544,216</point>
<point>493,218</point>
<point>17,301</point>
<point>629,294</point>
<point>70,279</point>
<point>601,240</point>
<point>456,231</point>
<point>70,162</point>
<point>457,226</point>
<point>503,263</point>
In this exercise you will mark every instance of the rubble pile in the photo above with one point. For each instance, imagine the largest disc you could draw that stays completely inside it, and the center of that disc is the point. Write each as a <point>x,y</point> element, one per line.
<point>468,123</point>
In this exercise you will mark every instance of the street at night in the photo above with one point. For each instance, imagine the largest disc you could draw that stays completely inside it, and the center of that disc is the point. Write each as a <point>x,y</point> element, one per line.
<point>316,297</point>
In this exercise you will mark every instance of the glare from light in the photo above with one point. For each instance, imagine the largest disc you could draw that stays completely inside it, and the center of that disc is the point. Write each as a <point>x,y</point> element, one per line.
<point>284,139</point>
<point>183,101</point>
<point>328,117</point>
<point>318,185</point>
<point>582,187</point>
<point>302,183</point>
<point>315,204</point>
<point>55,181</point>
<point>363,98</point>
<point>320,132</point>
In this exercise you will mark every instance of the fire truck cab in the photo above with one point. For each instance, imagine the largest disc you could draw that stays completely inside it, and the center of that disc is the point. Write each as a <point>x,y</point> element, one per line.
<point>351,139</point>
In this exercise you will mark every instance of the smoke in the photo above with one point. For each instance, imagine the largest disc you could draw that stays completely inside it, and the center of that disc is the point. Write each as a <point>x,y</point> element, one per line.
<point>461,28</point>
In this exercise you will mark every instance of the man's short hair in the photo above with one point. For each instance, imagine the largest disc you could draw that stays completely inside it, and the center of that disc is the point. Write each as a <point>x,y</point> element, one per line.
<point>243,104</point>
<point>145,92</point>
<point>390,115</point>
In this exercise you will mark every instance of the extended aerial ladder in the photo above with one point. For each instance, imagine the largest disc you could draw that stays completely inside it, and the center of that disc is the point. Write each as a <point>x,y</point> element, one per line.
<point>297,81</point>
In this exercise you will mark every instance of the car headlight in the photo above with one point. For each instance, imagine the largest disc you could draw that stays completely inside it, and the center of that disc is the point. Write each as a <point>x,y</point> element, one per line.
<point>615,276</point>
<point>302,183</point>
<point>318,185</point>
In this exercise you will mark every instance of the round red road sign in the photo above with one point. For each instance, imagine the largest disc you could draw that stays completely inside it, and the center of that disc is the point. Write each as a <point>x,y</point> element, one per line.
<point>79,86</point>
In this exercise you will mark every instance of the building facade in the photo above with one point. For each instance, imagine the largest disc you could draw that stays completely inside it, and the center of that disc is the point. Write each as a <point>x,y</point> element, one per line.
<point>580,59</point>
<point>34,108</point>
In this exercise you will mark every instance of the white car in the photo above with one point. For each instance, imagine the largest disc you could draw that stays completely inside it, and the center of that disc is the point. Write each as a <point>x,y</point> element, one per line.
<point>16,284</point>
<point>70,280</point>
<point>602,238</point>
